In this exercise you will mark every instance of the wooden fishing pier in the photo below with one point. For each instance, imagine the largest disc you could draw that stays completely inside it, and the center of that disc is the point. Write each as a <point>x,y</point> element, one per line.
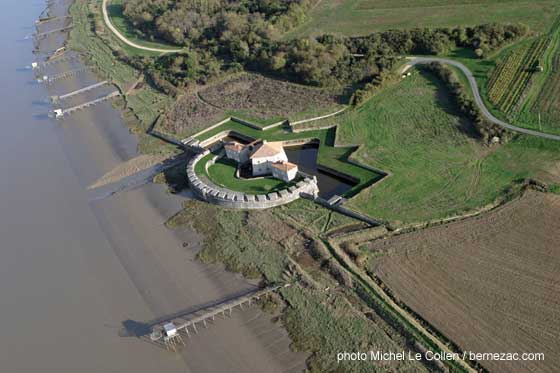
<point>51,79</point>
<point>55,99</point>
<point>43,20</point>
<point>42,35</point>
<point>60,113</point>
<point>169,333</point>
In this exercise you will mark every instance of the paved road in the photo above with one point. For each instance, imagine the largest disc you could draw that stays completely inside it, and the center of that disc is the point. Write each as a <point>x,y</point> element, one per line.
<point>478,99</point>
<point>125,40</point>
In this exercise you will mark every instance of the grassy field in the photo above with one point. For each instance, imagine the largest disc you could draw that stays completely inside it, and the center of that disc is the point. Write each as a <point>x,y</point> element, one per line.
<point>329,155</point>
<point>437,168</point>
<point>223,172</point>
<point>360,17</point>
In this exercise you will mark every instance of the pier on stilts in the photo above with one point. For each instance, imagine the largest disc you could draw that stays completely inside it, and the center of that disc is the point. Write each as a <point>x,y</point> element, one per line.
<point>43,20</point>
<point>55,99</point>
<point>42,35</point>
<point>169,333</point>
<point>51,79</point>
<point>58,55</point>
<point>52,61</point>
<point>60,113</point>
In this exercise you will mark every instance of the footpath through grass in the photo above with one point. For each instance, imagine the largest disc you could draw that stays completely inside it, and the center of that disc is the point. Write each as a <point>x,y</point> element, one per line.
<point>438,169</point>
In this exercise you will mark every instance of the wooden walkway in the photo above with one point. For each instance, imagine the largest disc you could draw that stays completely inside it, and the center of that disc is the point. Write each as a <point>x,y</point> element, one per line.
<point>42,35</point>
<point>59,113</point>
<point>67,74</point>
<point>43,20</point>
<point>56,99</point>
<point>185,324</point>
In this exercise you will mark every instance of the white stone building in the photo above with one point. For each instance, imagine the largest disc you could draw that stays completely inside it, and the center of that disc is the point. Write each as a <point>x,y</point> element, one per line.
<point>284,171</point>
<point>236,151</point>
<point>267,158</point>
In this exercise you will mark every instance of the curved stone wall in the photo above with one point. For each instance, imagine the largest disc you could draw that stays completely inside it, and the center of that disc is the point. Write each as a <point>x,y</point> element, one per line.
<point>208,191</point>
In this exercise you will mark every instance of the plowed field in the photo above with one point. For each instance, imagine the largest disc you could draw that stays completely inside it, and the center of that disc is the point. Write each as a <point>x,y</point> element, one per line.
<point>490,284</point>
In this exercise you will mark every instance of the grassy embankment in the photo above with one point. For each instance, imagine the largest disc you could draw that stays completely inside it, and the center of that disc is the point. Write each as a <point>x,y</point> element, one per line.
<point>437,169</point>
<point>329,155</point>
<point>144,103</point>
<point>361,17</point>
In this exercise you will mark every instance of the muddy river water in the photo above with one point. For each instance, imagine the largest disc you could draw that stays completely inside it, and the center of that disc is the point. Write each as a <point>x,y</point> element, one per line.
<point>75,271</point>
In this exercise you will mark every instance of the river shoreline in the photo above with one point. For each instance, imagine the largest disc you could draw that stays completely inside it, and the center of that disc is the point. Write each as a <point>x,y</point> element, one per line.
<point>152,259</point>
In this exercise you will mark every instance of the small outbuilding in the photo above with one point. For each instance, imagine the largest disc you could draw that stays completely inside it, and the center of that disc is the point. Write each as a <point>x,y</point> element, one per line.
<point>237,151</point>
<point>170,330</point>
<point>285,171</point>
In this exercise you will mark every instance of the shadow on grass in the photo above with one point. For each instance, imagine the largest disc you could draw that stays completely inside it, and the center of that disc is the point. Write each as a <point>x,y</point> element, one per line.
<point>447,102</point>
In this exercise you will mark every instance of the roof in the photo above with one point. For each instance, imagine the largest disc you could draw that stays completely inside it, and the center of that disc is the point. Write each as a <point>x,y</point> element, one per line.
<point>268,149</point>
<point>235,146</point>
<point>284,166</point>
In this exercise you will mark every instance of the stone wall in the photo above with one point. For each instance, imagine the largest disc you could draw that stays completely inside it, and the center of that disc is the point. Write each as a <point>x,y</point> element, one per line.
<point>208,191</point>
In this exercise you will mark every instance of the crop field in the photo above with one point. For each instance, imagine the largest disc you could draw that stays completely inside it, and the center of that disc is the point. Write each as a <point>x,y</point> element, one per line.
<point>489,283</point>
<point>266,101</point>
<point>543,105</point>
<point>437,168</point>
<point>359,17</point>
<point>548,101</point>
<point>510,80</point>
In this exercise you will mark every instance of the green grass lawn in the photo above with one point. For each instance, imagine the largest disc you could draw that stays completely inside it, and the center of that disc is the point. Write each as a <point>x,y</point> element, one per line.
<point>115,11</point>
<point>437,169</point>
<point>360,17</point>
<point>222,173</point>
<point>329,155</point>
